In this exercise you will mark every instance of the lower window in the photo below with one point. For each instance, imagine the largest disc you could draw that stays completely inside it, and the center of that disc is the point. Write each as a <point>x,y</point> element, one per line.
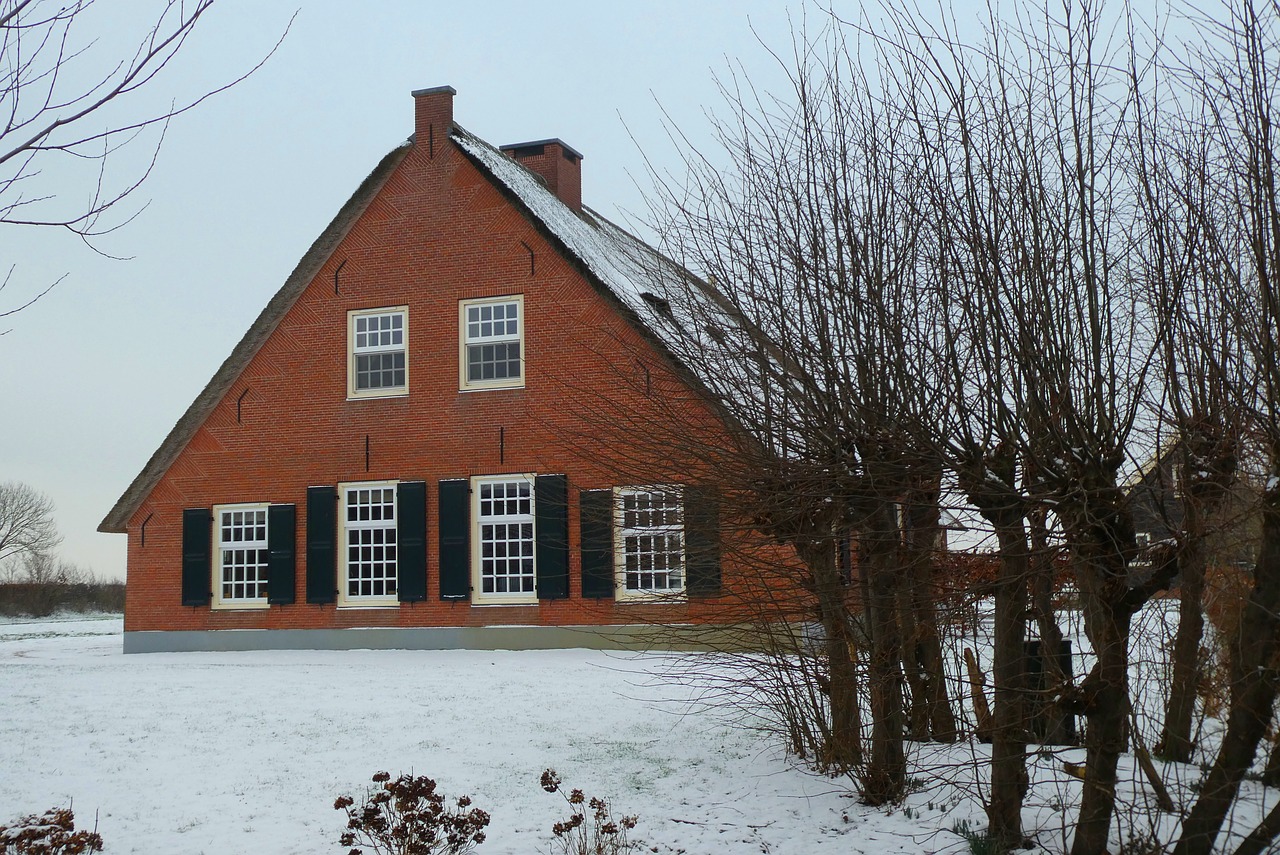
<point>369,538</point>
<point>240,538</point>
<point>504,528</point>
<point>649,549</point>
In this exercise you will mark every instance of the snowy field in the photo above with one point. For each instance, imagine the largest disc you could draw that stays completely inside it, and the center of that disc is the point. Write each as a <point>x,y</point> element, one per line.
<point>223,753</point>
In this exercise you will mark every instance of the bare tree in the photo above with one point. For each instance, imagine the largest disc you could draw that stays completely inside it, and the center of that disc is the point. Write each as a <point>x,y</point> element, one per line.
<point>1043,347</point>
<point>63,104</point>
<point>1201,436</point>
<point>809,241</point>
<point>27,528</point>
<point>1237,79</point>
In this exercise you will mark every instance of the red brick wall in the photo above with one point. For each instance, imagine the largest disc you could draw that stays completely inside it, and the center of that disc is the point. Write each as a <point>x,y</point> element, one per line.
<point>438,232</point>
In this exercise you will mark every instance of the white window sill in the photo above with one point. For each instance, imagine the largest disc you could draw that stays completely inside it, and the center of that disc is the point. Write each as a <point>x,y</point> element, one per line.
<point>240,607</point>
<point>504,603</point>
<point>489,388</point>
<point>368,606</point>
<point>634,599</point>
<point>372,397</point>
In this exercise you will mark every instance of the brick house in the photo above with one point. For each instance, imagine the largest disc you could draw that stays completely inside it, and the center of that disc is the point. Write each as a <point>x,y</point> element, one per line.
<point>394,455</point>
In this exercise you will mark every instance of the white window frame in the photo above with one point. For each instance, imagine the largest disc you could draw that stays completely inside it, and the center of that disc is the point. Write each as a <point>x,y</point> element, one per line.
<point>479,596</point>
<point>621,532</point>
<point>221,601</point>
<point>345,526</point>
<point>466,341</point>
<point>354,351</point>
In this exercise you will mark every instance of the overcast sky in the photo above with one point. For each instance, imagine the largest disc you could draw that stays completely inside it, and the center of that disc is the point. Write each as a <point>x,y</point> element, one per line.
<point>96,373</point>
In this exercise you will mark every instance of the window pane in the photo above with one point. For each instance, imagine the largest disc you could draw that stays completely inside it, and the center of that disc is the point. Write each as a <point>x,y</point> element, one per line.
<point>505,528</point>
<point>242,542</point>
<point>378,351</point>
<point>651,541</point>
<point>371,541</point>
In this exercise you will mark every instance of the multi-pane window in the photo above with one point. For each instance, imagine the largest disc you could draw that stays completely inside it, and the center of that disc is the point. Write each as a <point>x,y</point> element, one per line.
<point>492,340</point>
<point>242,555</point>
<point>369,524</point>
<point>650,535</point>
<point>378,352</point>
<point>505,529</point>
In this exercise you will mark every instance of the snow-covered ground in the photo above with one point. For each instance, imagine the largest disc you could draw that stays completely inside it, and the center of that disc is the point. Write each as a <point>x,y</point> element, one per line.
<point>224,753</point>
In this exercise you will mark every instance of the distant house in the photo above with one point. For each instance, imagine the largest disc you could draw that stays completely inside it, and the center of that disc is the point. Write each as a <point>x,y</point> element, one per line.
<point>1157,500</point>
<point>395,453</point>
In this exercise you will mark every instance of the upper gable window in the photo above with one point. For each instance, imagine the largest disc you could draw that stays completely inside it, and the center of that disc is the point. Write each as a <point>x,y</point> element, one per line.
<point>376,352</point>
<point>492,343</point>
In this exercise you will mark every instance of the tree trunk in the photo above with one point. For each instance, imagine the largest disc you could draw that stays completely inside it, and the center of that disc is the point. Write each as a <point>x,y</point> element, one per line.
<point>1175,740</point>
<point>1253,691</point>
<point>1043,577</point>
<point>1106,693</point>
<point>1208,462</point>
<point>1008,670</point>
<point>886,775</point>
<point>917,710</point>
<point>989,487</point>
<point>921,522</point>
<point>843,748</point>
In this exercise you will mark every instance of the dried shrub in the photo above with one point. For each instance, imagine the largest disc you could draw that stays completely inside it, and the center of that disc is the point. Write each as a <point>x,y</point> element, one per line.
<point>41,599</point>
<point>408,817</point>
<point>1227,590</point>
<point>603,836</point>
<point>54,833</point>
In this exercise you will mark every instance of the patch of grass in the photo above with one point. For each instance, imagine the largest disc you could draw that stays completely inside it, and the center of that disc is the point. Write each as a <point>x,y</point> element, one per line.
<point>980,842</point>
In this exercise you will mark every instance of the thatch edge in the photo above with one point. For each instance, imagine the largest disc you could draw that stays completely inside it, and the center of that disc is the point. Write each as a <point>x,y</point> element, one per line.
<point>320,251</point>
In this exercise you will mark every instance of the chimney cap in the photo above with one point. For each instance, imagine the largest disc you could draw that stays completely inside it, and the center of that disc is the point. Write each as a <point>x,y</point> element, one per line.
<point>434,90</point>
<point>554,141</point>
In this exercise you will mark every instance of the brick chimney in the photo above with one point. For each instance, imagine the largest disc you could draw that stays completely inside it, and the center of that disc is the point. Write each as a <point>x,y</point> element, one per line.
<point>558,164</point>
<point>432,117</point>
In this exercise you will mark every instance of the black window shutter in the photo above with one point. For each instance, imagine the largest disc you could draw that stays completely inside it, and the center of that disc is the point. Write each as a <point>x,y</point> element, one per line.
<point>411,541</point>
<point>551,520</point>
<point>197,548</point>
<point>595,508</point>
<point>455,540</point>
<point>322,546</point>
<point>702,541</point>
<point>281,536</point>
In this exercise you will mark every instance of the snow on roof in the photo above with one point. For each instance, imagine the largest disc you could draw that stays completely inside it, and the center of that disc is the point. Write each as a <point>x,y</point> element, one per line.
<point>689,317</point>
<point>623,263</point>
